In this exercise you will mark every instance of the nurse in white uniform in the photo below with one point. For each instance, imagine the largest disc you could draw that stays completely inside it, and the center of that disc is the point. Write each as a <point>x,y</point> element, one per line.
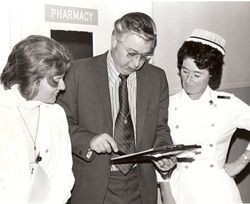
<point>200,115</point>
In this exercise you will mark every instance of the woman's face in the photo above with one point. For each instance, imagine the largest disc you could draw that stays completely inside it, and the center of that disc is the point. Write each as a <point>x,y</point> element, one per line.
<point>194,80</point>
<point>47,93</point>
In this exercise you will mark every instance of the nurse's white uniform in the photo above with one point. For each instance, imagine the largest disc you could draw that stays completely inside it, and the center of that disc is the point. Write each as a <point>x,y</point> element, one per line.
<point>209,122</point>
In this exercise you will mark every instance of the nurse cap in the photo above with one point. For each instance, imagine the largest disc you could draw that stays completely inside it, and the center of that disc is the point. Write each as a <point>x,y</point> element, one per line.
<point>208,38</point>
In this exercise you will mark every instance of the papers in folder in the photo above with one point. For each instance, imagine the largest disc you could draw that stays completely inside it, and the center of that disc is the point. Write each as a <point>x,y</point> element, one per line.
<point>157,153</point>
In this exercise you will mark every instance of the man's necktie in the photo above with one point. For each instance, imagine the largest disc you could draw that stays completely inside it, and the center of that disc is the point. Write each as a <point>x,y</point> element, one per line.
<point>124,131</point>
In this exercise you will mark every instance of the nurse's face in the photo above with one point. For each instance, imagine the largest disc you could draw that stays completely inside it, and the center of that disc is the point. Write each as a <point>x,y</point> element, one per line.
<point>47,93</point>
<point>194,80</point>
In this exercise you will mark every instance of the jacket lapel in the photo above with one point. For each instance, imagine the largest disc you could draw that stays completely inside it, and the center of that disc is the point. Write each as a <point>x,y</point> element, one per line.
<point>141,99</point>
<point>103,90</point>
<point>104,95</point>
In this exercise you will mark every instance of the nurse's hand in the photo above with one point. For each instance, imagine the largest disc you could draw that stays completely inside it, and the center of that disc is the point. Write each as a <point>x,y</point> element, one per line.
<point>236,167</point>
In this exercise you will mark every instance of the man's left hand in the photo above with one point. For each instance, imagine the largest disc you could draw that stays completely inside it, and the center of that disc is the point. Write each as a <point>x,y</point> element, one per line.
<point>166,164</point>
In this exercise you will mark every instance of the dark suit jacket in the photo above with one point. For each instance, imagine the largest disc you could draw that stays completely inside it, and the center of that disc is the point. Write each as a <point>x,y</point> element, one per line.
<point>88,108</point>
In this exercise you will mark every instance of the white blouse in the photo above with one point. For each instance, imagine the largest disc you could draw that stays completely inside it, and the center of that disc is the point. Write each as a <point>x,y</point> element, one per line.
<point>53,144</point>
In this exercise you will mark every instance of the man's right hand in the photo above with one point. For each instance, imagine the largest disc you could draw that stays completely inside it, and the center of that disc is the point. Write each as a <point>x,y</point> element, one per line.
<point>103,143</point>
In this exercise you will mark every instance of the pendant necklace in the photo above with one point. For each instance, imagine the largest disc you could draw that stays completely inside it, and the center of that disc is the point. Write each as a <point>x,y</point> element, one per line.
<point>37,158</point>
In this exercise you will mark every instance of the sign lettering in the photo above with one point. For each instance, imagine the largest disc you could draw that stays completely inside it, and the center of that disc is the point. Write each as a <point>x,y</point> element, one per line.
<point>75,15</point>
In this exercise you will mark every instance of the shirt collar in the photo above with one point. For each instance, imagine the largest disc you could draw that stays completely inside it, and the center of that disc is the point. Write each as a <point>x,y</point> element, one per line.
<point>113,73</point>
<point>205,97</point>
<point>22,102</point>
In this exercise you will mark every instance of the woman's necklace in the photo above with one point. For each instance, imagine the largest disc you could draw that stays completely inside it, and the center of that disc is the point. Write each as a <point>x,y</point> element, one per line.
<point>29,132</point>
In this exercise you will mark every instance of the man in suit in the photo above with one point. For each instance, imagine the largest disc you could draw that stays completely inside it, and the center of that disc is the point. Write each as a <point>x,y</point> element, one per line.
<point>92,104</point>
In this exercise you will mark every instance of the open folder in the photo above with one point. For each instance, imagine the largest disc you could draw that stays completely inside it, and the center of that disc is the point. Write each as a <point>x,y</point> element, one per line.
<point>157,153</point>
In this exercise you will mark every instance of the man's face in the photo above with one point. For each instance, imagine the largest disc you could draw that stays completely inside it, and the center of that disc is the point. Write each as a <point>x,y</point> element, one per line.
<point>131,52</point>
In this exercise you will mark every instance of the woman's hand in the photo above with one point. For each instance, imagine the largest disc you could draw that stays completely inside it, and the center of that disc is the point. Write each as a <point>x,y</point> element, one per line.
<point>238,165</point>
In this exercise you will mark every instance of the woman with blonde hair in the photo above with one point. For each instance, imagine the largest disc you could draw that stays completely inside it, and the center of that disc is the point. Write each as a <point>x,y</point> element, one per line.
<point>35,148</point>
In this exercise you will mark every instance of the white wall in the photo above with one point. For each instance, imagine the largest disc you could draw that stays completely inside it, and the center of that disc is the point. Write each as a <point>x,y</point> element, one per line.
<point>4,34</point>
<point>20,19</point>
<point>175,22</point>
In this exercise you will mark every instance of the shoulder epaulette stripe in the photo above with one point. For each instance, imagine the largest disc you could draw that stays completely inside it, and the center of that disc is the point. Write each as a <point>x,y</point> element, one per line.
<point>223,97</point>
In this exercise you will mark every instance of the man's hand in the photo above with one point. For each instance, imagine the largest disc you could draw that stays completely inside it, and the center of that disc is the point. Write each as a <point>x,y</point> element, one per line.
<point>103,143</point>
<point>166,164</point>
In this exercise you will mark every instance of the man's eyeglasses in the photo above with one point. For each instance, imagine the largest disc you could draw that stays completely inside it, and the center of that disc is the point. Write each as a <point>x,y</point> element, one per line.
<point>134,55</point>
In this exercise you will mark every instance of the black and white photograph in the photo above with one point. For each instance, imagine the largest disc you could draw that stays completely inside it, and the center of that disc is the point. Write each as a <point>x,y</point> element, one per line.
<point>124,102</point>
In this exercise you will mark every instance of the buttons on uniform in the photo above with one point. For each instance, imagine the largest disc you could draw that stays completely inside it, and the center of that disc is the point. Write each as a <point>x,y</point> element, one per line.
<point>211,165</point>
<point>211,145</point>
<point>80,152</point>
<point>177,126</point>
<point>212,125</point>
<point>46,151</point>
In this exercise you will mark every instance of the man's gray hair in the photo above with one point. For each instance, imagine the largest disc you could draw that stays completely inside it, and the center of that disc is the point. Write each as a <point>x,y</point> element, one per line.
<point>139,23</point>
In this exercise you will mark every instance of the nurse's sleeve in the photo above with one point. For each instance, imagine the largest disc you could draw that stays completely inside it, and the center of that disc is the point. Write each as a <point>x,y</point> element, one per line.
<point>241,116</point>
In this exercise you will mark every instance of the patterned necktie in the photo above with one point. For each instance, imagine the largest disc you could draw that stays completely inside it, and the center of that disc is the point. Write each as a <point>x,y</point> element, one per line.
<point>124,131</point>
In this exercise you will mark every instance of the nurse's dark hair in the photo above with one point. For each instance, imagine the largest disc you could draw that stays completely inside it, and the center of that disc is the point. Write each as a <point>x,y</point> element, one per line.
<point>31,60</point>
<point>205,57</point>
